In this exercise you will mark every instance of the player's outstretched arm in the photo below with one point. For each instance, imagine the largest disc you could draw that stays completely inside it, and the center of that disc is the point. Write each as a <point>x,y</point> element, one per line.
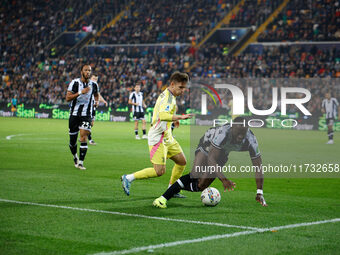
<point>182,117</point>
<point>259,180</point>
<point>166,116</point>
<point>215,157</point>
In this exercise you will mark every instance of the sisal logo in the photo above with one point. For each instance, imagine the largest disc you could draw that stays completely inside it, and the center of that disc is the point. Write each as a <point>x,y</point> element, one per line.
<point>238,105</point>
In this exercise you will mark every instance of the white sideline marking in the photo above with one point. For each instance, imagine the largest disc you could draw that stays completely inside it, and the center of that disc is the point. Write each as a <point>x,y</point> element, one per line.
<point>9,137</point>
<point>214,237</point>
<point>304,224</point>
<point>133,215</point>
<point>164,245</point>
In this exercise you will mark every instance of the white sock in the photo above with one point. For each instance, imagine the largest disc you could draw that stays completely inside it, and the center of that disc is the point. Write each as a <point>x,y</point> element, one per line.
<point>130,177</point>
<point>80,162</point>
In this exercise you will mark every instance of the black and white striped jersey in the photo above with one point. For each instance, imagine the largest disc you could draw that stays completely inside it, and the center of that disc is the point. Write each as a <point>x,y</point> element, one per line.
<point>205,140</point>
<point>138,99</point>
<point>83,104</point>
<point>222,139</point>
<point>330,106</point>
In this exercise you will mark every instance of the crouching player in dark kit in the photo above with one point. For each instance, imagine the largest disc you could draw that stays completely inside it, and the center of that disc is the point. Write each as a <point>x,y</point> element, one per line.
<point>81,92</point>
<point>213,150</point>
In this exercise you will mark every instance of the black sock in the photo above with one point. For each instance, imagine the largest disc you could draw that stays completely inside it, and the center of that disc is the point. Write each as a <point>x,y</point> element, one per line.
<point>144,132</point>
<point>89,137</point>
<point>73,144</point>
<point>185,182</point>
<point>136,132</point>
<point>82,151</point>
<point>330,135</point>
<point>172,190</point>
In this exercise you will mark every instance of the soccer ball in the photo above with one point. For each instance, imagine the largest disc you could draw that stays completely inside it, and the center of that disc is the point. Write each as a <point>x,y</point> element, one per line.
<point>210,196</point>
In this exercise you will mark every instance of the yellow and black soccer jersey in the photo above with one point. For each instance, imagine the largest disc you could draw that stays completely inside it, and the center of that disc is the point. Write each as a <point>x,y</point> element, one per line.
<point>163,111</point>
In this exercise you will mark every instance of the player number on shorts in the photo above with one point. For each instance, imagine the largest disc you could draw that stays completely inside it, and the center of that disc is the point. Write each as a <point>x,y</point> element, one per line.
<point>85,124</point>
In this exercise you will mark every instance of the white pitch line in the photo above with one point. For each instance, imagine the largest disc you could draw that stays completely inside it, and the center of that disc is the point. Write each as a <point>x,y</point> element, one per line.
<point>214,237</point>
<point>164,245</point>
<point>9,137</point>
<point>133,215</point>
<point>304,224</point>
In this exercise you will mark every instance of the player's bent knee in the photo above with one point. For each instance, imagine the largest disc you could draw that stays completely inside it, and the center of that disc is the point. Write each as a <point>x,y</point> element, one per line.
<point>160,170</point>
<point>182,161</point>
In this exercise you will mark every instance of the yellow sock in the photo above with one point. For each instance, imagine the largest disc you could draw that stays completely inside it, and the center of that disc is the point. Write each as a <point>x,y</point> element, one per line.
<point>145,173</point>
<point>176,173</point>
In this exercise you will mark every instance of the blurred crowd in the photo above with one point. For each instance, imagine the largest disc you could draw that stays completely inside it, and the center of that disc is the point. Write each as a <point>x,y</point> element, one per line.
<point>287,61</point>
<point>28,26</point>
<point>163,21</point>
<point>29,72</point>
<point>306,20</point>
<point>101,13</point>
<point>254,12</point>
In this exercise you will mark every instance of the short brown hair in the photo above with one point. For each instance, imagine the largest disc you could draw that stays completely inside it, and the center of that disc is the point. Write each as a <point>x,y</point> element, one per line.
<point>179,77</point>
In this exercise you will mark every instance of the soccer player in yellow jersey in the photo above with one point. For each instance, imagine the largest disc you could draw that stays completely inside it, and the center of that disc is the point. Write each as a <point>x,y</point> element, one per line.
<point>162,144</point>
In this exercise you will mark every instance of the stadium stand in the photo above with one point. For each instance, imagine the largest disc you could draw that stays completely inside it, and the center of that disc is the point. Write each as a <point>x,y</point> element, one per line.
<point>38,22</point>
<point>306,20</point>
<point>102,12</point>
<point>159,21</point>
<point>274,61</point>
<point>253,13</point>
<point>30,72</point>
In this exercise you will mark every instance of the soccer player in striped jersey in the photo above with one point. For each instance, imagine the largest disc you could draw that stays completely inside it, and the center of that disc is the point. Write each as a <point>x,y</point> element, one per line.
<point>80,93</point>
<point>138,105</point>
<point>213,149</point>
<point>162,144</point>
<point>330,106</point>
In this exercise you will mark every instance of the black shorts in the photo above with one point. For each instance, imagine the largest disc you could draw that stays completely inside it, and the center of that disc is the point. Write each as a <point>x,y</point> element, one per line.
<point>138,116</point>
<point>330,121</point>
<point>79,122</point>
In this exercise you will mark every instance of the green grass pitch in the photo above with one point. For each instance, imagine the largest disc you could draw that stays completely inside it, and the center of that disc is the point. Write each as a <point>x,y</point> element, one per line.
<point>36,166</point>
